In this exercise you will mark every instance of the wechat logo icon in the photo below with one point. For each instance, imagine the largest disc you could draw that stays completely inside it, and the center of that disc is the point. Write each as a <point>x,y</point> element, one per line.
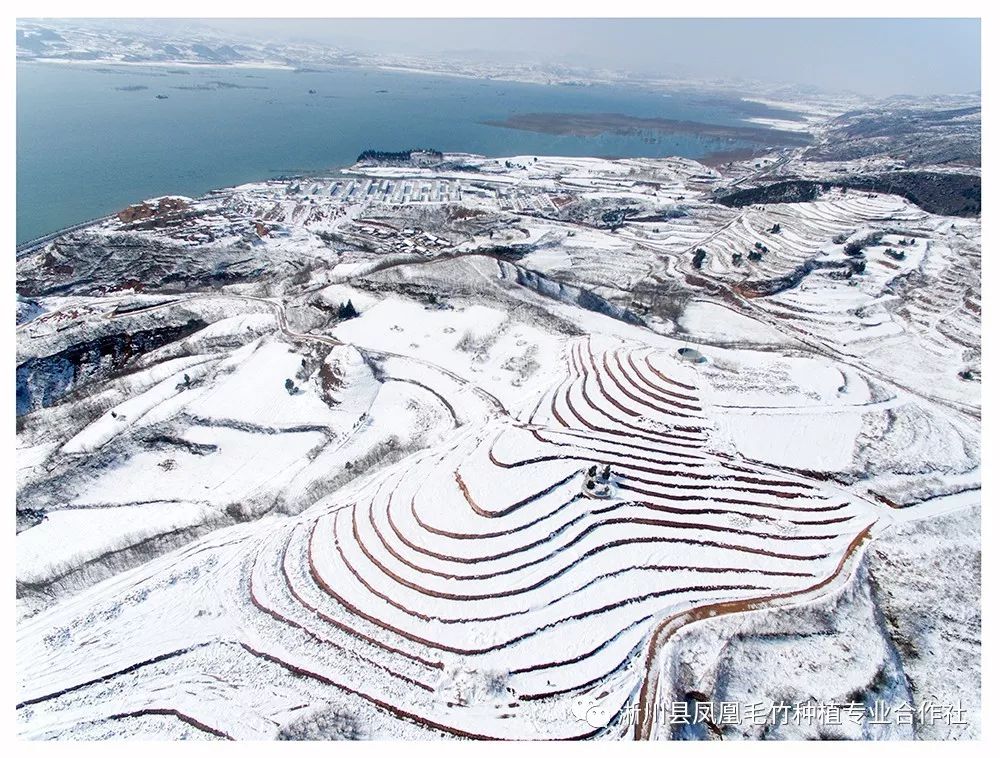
<point>594,711</point>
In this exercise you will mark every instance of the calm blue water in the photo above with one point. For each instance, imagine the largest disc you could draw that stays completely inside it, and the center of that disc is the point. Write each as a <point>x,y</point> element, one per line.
<point>86,147</point>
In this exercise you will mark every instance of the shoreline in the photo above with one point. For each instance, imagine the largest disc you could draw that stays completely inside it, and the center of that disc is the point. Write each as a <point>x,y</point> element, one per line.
<point>706,152</point>
<point>592,125</point>
<point>652,86</point>
<point>262,65</point>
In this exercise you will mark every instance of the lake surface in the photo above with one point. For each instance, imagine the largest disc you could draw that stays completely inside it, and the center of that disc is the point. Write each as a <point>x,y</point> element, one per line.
<point>93,138</point>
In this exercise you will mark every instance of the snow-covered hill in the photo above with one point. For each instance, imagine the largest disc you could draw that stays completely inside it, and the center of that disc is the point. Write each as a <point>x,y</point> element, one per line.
<point>519,448</point>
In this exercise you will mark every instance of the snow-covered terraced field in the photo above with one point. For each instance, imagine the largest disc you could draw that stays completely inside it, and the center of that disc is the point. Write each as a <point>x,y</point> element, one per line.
<point>338,464</point>
<point>474,588</point>
<point>916,304</point>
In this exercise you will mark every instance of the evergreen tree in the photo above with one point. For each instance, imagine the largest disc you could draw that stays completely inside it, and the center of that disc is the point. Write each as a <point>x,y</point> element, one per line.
<point>347,310</point>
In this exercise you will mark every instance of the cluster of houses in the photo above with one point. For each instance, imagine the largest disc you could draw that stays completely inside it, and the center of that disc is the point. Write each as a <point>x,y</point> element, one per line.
<point>384,238</point>
<point>520,200</point>
<point>392,191</point>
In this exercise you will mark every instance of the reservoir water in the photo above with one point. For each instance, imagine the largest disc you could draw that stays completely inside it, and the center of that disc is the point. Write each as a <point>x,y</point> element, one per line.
<point>93,138</point>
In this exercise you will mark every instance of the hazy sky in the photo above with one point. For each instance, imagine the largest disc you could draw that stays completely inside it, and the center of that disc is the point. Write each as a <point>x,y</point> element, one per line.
<point>871,56</point>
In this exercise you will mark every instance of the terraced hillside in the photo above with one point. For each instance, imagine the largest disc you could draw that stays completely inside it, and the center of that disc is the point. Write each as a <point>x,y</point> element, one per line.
<point>476,587</point>
<point>510,461</point>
